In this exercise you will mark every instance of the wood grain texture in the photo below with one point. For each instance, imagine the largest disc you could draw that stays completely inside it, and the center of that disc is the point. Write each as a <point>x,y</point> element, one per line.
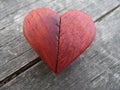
<point>97,69</point>
<point>77,31</point>
<point>10,7</point>
<point>41,29</point>
<point>14,50</point>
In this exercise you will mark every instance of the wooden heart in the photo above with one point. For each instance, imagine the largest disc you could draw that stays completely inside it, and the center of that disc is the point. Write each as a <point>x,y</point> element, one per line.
<point>58,40</point>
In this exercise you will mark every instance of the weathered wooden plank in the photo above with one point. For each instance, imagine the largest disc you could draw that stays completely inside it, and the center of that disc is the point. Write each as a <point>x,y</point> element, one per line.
<point>58,6</point>
<point>97,69</point>
<point>12,42</point>
<point>20,61</point>
<point>12,50</point>
<point>10,7</point>
<point>42,78</point>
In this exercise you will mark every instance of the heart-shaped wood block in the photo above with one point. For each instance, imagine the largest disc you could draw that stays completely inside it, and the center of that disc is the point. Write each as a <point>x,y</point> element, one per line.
<point>58,40</point>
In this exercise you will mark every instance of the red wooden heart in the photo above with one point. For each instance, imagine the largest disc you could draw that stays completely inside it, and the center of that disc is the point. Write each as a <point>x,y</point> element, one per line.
<point>58,40</point>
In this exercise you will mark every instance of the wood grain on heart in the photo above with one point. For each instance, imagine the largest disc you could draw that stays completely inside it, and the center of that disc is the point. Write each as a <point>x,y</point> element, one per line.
<point>58,40</point>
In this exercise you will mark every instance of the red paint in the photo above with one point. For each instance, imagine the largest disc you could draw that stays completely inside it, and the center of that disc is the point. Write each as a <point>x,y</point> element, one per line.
<point>58,40</point>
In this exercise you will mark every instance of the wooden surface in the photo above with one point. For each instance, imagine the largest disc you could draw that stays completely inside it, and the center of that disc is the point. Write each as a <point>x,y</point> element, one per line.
<point>97,69</point>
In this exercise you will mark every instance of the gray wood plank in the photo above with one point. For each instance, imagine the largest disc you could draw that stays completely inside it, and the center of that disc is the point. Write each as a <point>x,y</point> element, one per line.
<point>98,68</point>
<point>13,44</point>
<point>9,7</point>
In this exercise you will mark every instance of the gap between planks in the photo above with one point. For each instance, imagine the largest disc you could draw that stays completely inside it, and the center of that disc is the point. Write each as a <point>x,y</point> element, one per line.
<point>24,68</point>
<point>103,16</point>
<point>32,63</point>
